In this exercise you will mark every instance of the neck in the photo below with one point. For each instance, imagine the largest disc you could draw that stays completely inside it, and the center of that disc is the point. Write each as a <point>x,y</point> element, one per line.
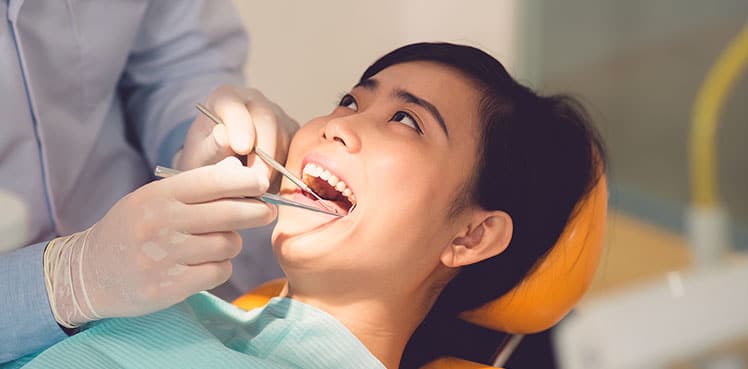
<point>384,326</point>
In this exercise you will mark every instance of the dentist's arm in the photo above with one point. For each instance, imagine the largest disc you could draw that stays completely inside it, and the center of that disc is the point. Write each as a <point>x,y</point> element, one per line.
<point>156,246</point>
<point>184,51</point>
<point>26,321</point>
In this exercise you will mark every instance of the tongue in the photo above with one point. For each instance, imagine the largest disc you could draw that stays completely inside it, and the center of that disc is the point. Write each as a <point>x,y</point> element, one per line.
<point>328,192</point>
<point>342,207</point>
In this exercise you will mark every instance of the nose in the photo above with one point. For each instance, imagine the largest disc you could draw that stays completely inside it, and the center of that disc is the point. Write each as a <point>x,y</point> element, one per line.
<point>341,130</point>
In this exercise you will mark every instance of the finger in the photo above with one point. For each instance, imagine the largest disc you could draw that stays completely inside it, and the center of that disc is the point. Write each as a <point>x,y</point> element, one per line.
<point>257,163</point>
<point>221,139</point>
<point>201,277</point>
<point>231,161</point>
<point>266,126</point>
<point>229,106</point>
<point>207,248</point>
<point>220,181</point>
<point>225,215</point>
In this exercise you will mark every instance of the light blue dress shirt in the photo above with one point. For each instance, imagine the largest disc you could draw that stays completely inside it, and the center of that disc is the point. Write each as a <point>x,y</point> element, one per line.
<point>93,95</point>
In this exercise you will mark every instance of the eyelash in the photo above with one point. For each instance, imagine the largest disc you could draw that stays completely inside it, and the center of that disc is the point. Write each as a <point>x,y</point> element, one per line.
<point>347,99</point>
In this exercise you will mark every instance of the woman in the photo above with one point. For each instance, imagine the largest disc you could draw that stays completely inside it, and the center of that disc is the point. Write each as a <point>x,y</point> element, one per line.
<point>454,174</point>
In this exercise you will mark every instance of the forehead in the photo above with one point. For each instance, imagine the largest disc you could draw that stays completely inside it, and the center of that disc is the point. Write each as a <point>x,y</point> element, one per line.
<point>454,95</point>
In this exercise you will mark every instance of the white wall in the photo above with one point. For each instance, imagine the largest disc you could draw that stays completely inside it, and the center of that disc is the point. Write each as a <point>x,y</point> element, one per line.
<point>304,54</point>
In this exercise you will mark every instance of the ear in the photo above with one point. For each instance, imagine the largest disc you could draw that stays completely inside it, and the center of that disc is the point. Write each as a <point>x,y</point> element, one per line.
<point>487,235</point>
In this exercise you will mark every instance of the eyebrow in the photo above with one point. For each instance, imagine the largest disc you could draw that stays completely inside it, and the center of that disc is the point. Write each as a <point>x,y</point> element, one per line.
<point>372,84</point>
<point>369,84</point>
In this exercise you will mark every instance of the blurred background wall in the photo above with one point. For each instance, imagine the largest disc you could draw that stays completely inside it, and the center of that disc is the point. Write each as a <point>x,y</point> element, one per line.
<point>638,65</point>
<point>306,54</point>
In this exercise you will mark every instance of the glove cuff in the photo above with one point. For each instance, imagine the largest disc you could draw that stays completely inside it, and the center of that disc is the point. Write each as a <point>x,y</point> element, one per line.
<point>63,277</point>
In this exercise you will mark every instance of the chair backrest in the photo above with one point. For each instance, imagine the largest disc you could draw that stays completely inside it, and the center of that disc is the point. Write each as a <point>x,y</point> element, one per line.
<point>559,280</point>
<point>551,289</point>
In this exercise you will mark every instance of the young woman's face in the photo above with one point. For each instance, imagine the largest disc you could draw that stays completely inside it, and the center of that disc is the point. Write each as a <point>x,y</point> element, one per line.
<point>401,146</point>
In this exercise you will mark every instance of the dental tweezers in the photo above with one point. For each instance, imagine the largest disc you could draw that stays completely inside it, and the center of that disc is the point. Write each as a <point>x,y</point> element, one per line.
<point>270,198</point>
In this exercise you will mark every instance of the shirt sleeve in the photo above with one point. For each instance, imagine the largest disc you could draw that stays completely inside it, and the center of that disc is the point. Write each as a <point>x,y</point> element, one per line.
<point>183,50</point>
<point>26,322</point>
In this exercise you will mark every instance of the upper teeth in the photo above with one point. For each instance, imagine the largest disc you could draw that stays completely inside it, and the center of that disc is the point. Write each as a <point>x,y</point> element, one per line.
<point>315,170</point>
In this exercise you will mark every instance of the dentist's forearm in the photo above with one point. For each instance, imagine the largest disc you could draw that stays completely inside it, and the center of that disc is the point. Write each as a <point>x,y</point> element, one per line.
<point>26,320</point>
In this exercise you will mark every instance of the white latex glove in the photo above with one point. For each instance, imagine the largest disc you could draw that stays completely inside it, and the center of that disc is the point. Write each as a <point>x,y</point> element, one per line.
<point>249,119</point>
<point>156,246</point>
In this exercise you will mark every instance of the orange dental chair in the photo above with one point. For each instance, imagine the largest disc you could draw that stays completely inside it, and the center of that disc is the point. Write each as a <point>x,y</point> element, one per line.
<point>540,301</point>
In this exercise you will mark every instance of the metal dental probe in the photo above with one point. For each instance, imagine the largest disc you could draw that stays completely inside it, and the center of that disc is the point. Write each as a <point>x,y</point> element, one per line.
<point>272,162</point>
<point>164,172</point>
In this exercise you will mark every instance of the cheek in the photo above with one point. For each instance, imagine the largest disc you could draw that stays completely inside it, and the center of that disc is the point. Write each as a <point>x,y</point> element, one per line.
<point>401,241</point>
<point>407,199</point>
<point>406,177</point>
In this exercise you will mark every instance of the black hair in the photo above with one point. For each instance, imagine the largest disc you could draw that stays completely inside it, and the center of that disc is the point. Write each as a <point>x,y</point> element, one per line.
<point>539,156</point>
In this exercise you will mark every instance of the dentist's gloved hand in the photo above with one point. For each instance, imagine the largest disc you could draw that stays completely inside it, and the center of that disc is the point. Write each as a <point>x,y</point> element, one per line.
<point>249,119</point>
<point>156,246</point>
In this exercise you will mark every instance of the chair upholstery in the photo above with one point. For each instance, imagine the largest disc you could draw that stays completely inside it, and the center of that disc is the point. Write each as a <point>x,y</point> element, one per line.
<point>554,286</point>
<point>558,281</point>
<point>261,295</point>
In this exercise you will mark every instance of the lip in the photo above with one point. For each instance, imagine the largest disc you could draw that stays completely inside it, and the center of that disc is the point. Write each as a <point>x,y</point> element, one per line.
<point>328,164</point>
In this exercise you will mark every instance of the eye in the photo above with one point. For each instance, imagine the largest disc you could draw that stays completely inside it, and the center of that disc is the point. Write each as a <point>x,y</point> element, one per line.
<point>348,101</point>
<point>407,119</point>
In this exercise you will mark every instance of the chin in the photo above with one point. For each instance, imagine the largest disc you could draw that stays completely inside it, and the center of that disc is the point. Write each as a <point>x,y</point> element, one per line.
<point>302,238</point>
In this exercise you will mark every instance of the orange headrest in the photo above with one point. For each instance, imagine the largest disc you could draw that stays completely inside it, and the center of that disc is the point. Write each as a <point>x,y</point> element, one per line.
<point>557,282</point>
<point>261,295</point>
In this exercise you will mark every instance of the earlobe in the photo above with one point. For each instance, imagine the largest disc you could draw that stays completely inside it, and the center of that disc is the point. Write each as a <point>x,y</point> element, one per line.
<point>489,238</point>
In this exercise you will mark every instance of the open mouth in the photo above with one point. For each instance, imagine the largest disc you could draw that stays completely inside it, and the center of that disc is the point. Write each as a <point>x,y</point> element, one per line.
<point>329,187</point>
